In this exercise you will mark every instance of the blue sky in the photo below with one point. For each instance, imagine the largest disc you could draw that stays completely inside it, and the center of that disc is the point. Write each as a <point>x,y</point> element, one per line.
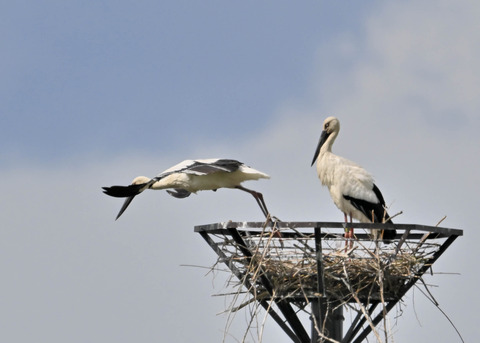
<point>94,94</point>
<point>97,76</point>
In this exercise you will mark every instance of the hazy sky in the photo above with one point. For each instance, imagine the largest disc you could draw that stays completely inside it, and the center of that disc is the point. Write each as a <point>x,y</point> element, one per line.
<point>96,93</point>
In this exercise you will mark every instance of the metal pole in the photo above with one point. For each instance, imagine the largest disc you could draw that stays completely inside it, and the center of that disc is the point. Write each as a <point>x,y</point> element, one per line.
<point>334,324</point>
<point>324,319</point>
<point>318,305</point>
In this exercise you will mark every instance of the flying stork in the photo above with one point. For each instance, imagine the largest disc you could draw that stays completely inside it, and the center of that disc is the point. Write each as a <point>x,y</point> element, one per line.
<point>191,176</point>
<point>351,187</point>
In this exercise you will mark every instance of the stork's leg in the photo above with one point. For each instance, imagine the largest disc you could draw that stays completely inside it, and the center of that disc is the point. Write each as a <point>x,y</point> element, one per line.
<point>348,231</point>
<point>351,230</point>
<point>258,197</point>
<point>351,233</point>
<point>346,224</point>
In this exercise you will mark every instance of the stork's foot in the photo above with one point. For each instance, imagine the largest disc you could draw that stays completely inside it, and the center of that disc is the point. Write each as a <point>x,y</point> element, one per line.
<point>278,235</point>
<point>272,222</point>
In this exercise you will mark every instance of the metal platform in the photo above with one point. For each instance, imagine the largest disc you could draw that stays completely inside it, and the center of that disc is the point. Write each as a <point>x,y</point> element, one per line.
<point>311,267</point>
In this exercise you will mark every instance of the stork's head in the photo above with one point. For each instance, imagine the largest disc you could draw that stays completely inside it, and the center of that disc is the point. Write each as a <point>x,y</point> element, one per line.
<point>331,125</point>
<point>140,180</point>
<point>331,128</point>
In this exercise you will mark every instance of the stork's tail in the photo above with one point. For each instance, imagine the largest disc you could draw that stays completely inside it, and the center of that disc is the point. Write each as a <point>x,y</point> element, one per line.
<point>128,192</point>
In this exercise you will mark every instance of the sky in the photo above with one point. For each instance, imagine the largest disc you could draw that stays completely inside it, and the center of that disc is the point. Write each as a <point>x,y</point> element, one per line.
<point>94,93</point>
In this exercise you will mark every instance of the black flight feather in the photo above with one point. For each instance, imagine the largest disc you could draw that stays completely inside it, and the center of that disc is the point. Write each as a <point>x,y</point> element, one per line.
<point>377,210</point>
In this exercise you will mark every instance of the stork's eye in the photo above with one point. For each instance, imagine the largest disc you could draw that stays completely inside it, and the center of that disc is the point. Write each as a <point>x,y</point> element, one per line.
<point>326,125</point>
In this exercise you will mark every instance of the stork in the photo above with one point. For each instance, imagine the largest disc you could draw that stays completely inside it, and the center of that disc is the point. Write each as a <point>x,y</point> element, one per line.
<point>191,176</point>
<point>351,187</point>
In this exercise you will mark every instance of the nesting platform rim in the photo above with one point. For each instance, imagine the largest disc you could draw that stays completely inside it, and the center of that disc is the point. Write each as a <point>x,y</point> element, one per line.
<point>281,225</point>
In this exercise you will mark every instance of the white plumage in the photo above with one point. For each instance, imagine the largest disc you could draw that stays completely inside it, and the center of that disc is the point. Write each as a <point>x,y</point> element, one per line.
<point>191,176</point>
<point>351,187</point>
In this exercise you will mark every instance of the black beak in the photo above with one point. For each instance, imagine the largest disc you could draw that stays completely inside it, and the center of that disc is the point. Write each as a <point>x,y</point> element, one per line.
<point>125,205</point>
<point>321,141</point>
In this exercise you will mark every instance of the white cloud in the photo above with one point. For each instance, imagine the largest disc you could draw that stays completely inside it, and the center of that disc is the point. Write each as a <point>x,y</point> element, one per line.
<point>420,64</point>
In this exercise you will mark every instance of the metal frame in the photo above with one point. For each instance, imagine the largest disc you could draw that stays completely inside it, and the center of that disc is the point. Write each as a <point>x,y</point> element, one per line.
<point>332,322</point>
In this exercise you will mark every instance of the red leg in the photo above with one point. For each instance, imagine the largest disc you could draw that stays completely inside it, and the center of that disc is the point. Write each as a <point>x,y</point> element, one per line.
<point>261,203</point>
<point>351,230</point>
<point>258,197</point>
<point>351,233</point>
<point>348,231</point>
<point>346,227</point>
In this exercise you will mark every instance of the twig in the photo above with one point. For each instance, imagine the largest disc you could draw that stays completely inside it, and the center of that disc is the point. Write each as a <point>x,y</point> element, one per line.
<point>362,308</point>
<point>441,220</point>
<point>433,301</point>
<point>314,318</point>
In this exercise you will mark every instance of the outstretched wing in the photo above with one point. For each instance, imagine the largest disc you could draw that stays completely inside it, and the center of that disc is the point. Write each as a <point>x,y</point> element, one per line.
<point>202,167</point>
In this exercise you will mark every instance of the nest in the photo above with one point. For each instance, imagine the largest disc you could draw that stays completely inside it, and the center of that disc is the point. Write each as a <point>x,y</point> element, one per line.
<point>317,273</point>
<point>360,270</point>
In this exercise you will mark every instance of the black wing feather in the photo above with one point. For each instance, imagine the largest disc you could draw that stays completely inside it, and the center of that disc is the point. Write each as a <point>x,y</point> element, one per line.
<point>221,165</point>
<point>377,210</point>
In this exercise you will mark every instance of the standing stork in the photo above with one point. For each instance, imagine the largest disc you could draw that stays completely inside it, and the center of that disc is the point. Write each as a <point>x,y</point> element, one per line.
<point>191,176</point>
<point>351,187</point>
